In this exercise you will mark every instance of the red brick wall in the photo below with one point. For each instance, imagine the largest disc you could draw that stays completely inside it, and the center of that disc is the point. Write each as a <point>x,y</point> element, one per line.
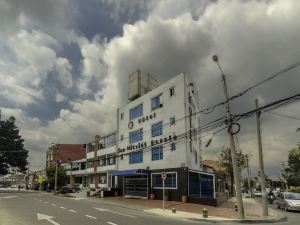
<point>67,152</point>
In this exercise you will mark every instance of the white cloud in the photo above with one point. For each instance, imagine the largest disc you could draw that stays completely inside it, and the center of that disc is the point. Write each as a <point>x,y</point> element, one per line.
<point>252,38</point>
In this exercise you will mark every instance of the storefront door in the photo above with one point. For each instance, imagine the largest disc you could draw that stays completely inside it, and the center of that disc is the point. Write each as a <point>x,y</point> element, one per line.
<point>136,186</point>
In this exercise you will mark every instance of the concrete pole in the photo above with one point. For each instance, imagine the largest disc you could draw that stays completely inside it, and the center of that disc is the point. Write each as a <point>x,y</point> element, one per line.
<point>261,163</point>
<point>248,173</point>
<point>71,164</point>
<point>55,181</point>
<point>236,172</point>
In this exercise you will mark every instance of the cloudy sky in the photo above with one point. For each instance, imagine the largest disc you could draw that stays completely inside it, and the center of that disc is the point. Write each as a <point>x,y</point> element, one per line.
<point>64,65</point>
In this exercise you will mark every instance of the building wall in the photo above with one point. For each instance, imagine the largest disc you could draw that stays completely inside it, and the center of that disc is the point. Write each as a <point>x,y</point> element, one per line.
<point>65,153</point>
<point>172,106</point>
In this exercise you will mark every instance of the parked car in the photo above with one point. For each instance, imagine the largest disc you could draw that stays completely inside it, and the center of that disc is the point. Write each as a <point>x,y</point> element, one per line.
<point>257,194</point>
<point>65,190</point>
<point>288,201</point>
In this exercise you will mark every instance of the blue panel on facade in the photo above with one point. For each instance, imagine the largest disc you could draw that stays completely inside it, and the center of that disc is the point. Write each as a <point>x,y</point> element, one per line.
<point>129,172</point>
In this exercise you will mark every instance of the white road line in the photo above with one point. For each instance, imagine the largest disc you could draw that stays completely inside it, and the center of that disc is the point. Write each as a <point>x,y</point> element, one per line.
<point>62,207</point>
<point>122,214</point>
<point>107,210</point>
<point>46,202</point>
<point>91,217</point>
<point>53,204</point>
<point>112,223</point>
<point>71,210</point>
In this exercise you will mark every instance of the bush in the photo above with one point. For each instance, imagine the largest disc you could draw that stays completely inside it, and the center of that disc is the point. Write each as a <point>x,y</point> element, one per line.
<point>295,189</point>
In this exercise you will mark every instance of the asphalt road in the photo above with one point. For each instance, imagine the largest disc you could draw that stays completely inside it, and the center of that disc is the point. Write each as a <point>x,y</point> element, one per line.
<point>28,208</point>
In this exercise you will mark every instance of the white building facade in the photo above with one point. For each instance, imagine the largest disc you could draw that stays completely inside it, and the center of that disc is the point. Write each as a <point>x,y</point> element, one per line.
<point>158,133</point>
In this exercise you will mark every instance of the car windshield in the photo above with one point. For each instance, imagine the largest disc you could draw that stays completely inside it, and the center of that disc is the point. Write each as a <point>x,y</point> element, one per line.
<point>292,196</point>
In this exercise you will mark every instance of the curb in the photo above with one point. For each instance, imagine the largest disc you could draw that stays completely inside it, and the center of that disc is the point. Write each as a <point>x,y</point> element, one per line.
<point>275,220</point>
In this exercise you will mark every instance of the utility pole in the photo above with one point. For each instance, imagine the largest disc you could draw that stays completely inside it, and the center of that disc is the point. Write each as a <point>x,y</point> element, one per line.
<point>261,163</point>
<point>236,172</point>
<point>56,162</point>
<point>248,173</point>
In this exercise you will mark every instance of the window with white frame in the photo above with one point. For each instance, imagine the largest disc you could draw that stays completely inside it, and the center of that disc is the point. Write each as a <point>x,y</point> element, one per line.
<point>156,129</point>
<point>172,91</point>
<point>157,153</point>
<point>136,136</point>
<point>136,157</point>
<point>170,182</point>
<point>136,112</point>
<point>155,102</point>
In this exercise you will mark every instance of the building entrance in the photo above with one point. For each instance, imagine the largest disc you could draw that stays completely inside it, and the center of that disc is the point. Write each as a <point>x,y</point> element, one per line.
<point>136,186</point>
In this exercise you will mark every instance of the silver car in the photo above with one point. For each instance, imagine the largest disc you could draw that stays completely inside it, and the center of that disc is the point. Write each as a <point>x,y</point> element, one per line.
<point>288,201</point>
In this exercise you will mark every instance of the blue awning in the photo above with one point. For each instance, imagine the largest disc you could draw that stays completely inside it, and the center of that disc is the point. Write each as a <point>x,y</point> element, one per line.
<point>129,172</point>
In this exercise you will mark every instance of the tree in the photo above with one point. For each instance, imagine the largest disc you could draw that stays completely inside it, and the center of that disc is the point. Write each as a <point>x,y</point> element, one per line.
<point>225,159</point>
<point>12,151</point>
<point>61,173</point>
<point>292,171</point>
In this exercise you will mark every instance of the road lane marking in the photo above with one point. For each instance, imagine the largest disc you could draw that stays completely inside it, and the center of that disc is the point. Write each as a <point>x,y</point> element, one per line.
<point>46,217</point>
<point>53,204</point>
<point>62,207</point>
<point>71,210</point>
<point>8,197</point>
<point>112,223</point>
<point>108,210</point>
<point>91,217</point>
<point>46,202</point>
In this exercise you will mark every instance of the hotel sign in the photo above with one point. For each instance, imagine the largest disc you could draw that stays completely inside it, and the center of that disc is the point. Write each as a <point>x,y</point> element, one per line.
<point>142,145</point>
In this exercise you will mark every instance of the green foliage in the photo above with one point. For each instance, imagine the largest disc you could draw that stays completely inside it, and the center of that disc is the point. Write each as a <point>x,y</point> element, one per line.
<point>12,151</point>
<point>292,172</point>
<point>225,159</point>
<point>294,189</point>
<point>61,173</point>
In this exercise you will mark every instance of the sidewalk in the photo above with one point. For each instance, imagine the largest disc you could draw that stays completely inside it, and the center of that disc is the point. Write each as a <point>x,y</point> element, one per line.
<point>224,213</point>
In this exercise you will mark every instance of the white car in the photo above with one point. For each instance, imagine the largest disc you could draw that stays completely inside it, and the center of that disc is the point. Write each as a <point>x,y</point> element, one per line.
<point>257,194</point>
<point>288,201</point>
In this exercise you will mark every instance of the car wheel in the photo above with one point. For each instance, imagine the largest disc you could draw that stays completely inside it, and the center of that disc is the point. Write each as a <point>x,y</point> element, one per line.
<point>286,208</point>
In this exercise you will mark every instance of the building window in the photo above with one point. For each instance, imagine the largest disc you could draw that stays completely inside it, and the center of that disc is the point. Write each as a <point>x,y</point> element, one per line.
<point>156,129</point>
<point>136,112</point>
<point>172,91</point>
<point>136,157</point>
<point>136,136</point>
<point>173,146</point>
<point>89,148</point>
<point>170,182</point>
<point>103,178</point>
<point>122,116</point>
<point>111,159</point>
<point>102,160</point>
<point>157,153</point>
<point>155,102</point>
<point>172,120</point>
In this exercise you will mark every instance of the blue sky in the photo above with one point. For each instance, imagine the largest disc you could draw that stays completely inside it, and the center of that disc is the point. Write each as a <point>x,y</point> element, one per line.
<point>64,65</point>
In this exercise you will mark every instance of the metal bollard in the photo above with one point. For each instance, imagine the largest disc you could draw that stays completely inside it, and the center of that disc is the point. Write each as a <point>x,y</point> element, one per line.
<point>173,210</point>
<point>205,213</point>
<point>236,207</point>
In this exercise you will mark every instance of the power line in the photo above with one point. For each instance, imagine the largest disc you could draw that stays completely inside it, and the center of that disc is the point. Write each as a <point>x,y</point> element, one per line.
<point>287,116</point>
<point>241,93</point>
<point>271,106</point>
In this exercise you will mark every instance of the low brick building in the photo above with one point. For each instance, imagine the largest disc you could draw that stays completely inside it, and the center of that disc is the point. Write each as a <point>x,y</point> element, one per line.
<point>64,153</point>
